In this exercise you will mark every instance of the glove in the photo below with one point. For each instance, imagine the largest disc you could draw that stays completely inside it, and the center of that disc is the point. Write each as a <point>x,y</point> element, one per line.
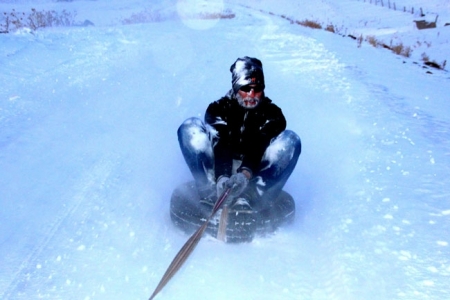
<point>220,185</point>
<point>237,182</point>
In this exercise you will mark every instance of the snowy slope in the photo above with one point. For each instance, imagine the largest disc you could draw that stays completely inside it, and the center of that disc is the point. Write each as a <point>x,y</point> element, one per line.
<point>89,158</point>
<point>389,22</point>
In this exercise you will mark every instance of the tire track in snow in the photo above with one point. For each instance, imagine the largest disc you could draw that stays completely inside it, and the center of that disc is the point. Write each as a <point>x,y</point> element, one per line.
<point>412,271</point>
<point>409,177</point>
<point>305,59</point>
<point>87,187</point>
<point>296,53</point>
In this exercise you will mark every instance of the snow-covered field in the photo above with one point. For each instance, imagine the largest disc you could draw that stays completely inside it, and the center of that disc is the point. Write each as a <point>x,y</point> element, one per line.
<point>89,155</point>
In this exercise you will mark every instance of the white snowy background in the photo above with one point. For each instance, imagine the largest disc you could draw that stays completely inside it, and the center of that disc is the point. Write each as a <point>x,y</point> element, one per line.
<point>89,154</point>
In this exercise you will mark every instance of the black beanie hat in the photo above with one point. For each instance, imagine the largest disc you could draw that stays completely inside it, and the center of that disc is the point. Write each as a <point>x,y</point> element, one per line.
<point>245,71</point>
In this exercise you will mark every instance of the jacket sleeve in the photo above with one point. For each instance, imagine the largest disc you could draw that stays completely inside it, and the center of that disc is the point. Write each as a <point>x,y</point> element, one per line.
<point>216,116</point>
<point>257,142</point>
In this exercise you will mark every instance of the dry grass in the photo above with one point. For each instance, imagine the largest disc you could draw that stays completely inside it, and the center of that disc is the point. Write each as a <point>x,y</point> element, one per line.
<point>434,64</point>
<point>402,50</point>
<point>226,14</point>
<point>372,40</point>
<point>287,18</point>
<point>330,28</point>
<point>150,16</point>
<point>398,49</point>
<point>12,21</point>
<point>145,16</point>
<point>310,24</point>
<point>359,40</point>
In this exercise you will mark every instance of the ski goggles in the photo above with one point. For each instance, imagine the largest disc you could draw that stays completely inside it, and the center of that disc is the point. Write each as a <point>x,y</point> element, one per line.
<point>248,88</point>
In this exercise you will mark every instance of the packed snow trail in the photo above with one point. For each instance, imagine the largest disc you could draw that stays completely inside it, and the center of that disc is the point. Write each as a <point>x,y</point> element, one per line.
<point>89,142</point>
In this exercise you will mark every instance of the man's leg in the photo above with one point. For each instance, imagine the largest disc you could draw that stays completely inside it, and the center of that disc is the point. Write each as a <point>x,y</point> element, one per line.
<point>195,144</point>
<point>277,164</point>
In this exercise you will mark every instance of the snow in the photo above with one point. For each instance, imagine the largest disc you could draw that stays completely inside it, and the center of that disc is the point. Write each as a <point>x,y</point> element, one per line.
<point>89,154</point>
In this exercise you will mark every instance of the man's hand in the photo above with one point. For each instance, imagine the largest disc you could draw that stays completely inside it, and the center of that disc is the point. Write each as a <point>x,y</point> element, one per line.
<point>221,185</point>
<point>237,182</point>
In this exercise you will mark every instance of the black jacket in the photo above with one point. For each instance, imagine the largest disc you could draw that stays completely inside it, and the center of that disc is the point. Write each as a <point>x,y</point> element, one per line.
<point>242,133</point>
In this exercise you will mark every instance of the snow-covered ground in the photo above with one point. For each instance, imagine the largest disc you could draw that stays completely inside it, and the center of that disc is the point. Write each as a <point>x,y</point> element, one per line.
<point>89,155</point>
<point>389,22</point>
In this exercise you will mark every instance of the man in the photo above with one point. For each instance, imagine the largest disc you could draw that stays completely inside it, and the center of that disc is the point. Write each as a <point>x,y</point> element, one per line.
<point>243,144</point>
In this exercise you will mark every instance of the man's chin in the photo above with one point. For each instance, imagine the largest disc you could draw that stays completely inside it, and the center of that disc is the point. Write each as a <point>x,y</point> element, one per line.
<point>250,103</point>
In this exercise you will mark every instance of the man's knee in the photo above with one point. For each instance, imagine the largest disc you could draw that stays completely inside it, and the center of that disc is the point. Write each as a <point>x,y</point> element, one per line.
<point>190,123</point>
<point>286,143</point>
<point>193,134</point>
<point>291,139</point>
<point>283,150</point>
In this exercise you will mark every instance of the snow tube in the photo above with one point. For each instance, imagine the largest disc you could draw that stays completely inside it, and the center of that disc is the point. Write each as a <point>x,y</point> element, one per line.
<point>188,214</point>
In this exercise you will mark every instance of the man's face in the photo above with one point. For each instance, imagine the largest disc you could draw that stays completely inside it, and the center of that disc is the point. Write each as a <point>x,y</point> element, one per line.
<point>250,95</point>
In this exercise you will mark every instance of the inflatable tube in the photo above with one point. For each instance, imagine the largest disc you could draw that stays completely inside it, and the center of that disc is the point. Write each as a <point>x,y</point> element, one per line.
<point>188,214</point>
